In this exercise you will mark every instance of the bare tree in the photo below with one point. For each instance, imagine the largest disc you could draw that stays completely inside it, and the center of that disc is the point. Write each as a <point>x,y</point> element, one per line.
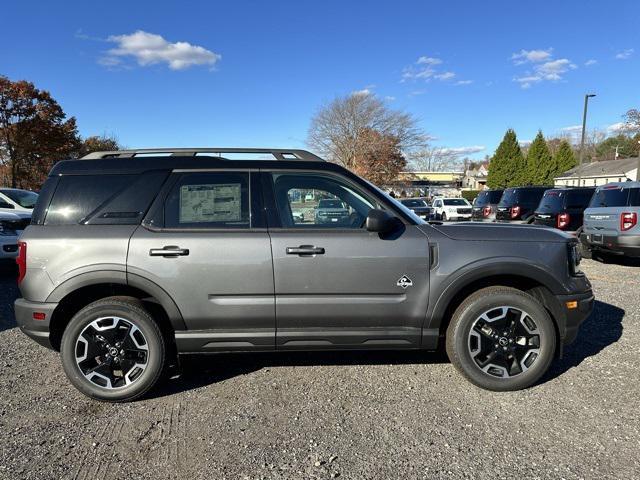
<point>432,158</point>
<point>341,130</point>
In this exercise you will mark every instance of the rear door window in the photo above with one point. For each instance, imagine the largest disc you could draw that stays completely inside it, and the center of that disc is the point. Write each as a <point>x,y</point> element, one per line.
<point>209,200</point>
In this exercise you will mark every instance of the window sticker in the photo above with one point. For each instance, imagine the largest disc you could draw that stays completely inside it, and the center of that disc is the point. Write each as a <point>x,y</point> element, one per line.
<point>210,203</point>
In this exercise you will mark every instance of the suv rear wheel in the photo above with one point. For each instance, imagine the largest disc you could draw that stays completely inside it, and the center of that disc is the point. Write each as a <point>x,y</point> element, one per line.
<point>501,339</point>
<point>112,350</point>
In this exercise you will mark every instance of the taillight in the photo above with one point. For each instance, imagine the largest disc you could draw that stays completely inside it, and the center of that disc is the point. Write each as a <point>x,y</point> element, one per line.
<point>515,212</point>
<point>628,220</point>
<point>21,260</point>
<point>563,220</point>
<point>486,211</point>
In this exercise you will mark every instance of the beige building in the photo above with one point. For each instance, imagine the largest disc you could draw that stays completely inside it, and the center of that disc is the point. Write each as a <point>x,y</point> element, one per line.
<point>599,173</point>
<point>475,179</point>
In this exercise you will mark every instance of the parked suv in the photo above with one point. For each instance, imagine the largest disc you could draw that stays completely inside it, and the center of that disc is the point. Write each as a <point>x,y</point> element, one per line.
<point>563,208</point>
<point>132,259</point>
<point>517,205</point>
<point>332,210</point>
<point>451,209</point>
<point>419,206</point>
<point>485,205</point>
<point>611,221</point>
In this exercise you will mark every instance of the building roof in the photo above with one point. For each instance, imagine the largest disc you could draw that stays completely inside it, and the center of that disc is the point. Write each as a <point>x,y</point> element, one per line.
<point>602,169</point>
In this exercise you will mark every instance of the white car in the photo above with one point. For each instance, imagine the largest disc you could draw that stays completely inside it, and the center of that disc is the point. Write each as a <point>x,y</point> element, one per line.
<point>11,226</point>
<point>17,201</point>
<point>451,209</point>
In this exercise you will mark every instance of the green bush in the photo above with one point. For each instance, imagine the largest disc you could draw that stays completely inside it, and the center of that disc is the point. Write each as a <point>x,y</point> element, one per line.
<point>470,194</point>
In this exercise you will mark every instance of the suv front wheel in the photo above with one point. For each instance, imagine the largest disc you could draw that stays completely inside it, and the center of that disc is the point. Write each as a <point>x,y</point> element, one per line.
<point>501,339</point>
<point>112,350</point>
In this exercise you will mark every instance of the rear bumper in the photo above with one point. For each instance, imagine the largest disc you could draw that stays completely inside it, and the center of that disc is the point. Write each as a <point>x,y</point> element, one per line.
<point>37,330</point>
<point>628,245</point>
<point>8,246</point>
<point>573,317</point>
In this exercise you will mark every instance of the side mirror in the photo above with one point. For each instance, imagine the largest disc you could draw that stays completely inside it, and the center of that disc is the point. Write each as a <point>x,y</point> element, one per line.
<point>381,221</point>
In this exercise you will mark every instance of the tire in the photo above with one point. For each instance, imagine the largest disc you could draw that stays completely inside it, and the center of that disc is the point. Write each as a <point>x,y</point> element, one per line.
<point>444,217</point>
<point>469,350</point>
<point>122,323</point>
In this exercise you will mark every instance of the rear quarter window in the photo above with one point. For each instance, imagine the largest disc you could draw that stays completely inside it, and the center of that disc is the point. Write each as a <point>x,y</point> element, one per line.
<point>77,196</point>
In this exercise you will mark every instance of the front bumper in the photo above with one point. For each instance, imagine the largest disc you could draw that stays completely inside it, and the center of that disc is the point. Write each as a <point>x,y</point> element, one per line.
<point>37,330</point>
<point>573,317</point>
<point>628,245</point>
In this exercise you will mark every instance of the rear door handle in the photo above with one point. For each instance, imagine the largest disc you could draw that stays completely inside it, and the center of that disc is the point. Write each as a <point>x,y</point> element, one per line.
<point>305,250</point>
<point>169,251</point>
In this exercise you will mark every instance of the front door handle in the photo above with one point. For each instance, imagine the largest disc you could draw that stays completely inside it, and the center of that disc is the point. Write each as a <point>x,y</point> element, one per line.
<point>305,250</point>
<point>169,251</point>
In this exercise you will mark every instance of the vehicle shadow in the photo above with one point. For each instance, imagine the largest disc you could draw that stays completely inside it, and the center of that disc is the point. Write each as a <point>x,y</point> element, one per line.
<point>616,260</point>
<point>8,293</point>
<point>199,370</point>
<point>601,329</point>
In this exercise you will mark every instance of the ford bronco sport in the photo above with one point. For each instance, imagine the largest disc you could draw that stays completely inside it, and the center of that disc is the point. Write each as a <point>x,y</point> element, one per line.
<point>134,257</point>
<point>611,221</point>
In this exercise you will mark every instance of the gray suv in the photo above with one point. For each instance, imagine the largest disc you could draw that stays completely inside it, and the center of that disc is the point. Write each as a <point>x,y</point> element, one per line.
<point>135,257</point>
<point>611,221</point>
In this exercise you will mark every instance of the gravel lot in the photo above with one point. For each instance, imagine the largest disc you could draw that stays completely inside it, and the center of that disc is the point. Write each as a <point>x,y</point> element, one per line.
<point>346,415</point>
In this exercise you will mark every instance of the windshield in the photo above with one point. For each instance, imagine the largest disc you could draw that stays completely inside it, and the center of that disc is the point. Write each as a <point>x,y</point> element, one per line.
<point>414,202</point>
<point>610,197</point>
<point>24,198</point>
<point>330,204</point>
<point>553,200</point>
<point>460,202</point>
<point>488,198</point>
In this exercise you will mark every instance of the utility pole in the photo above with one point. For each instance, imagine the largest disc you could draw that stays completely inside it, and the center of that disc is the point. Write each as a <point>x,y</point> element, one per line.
<point>584,129</point>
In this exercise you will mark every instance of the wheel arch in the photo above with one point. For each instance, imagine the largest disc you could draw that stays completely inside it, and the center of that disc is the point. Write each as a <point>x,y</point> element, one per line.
<point>533,281</point>
<point>76,293</point>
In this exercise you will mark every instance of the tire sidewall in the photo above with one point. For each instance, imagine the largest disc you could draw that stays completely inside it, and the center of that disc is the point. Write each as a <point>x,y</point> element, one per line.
<point>141,320</point>
<point>480,305</point>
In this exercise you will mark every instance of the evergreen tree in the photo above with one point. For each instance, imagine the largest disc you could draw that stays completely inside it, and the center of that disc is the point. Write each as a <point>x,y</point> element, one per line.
<point>565,159</point>
<point>507,164</point>
<point>540,165</point>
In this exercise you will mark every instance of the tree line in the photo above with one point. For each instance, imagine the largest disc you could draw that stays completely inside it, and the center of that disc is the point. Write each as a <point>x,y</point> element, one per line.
<point>509,167</point>
<point>35,133</point>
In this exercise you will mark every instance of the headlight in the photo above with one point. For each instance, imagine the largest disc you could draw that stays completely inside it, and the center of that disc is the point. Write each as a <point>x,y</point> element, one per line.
<point>574,259</point>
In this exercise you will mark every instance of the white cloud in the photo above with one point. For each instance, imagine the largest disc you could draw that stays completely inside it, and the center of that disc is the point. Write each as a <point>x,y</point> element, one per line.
<point>389,98</point>
<point>363,92</point>
<point>464,82</point>
<point>590,62</point>
<point>445,76</point>
<point>542,67</point>
<point>463,150</point>
<point>428,61</point>
<point>617,127</point>
<point>415,93</point>
<point>150,49</point>
<point>426,69</point>
<point>626,53</point>
<point>573,129</point>
<point>532,56</point>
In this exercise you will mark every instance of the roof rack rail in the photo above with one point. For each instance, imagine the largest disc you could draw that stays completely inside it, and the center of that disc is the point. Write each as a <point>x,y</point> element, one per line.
<point>276,153</point>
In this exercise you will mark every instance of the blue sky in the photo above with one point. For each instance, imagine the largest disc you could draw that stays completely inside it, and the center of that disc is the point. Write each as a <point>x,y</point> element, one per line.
<point>253,73</point>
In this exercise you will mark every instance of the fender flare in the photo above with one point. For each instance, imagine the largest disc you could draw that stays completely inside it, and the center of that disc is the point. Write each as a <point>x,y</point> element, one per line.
<point>120,277</point>
<point>479,271</point>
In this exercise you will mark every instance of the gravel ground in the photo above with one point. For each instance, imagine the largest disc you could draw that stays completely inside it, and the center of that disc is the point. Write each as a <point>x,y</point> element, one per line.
<point>346,415</point>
